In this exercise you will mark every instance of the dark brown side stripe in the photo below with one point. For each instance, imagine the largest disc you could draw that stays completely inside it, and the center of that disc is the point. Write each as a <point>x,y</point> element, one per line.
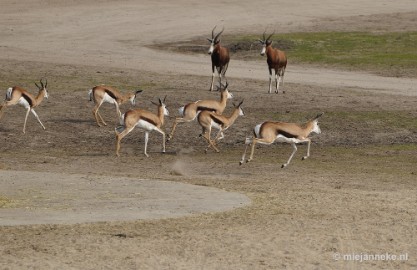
<point>110,93</point>
<point>148,120</point>
<point>28,99</point>
<point>216,120</point>
<point>200,108</point>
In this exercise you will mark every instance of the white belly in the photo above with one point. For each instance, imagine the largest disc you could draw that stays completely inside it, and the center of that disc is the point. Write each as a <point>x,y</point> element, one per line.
<point>283,139</point>
<point>22,101</point>
<point>145,125</point>
<point>108,99</point>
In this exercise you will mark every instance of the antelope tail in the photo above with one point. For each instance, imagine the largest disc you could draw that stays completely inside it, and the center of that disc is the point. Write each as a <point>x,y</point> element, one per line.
<point>90,94</point>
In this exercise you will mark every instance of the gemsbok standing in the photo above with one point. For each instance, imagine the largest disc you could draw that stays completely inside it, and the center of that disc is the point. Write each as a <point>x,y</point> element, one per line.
<point>292,133</point>
<point>104,93</point>
<point>277,61</point>
<point>190,111</point>
<point>17,95</point>
<point>219,57</point>
<point>209,120</point>
<point>144,120</point>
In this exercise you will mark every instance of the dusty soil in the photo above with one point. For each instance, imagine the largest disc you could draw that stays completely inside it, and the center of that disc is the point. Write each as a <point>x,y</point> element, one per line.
<point>356,194</point>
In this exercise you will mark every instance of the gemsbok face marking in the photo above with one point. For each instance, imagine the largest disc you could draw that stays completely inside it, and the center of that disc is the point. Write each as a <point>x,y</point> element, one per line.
<point>277,61</point>
<point>219,57</point>
<point>269,132</point>
<point>17,95</point>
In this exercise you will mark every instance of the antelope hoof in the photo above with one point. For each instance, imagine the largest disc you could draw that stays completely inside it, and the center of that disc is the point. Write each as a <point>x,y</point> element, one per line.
<point>276,92</point>
<point>284,165</point>
<point>304,158</point>
<point>146,155</point>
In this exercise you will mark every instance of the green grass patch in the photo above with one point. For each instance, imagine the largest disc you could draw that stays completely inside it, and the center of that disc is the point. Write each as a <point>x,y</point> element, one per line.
<point>391,54</point>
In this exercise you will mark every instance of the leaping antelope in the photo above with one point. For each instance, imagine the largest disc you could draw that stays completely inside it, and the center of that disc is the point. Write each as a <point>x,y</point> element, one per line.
<point>104,93</point>
<point>190,111</point>
<point>208,119</point>
<point>219,57</point>
<point>269,132</point>
<point>144,120</point>
<point>277,61</point>
<point>17,95</point>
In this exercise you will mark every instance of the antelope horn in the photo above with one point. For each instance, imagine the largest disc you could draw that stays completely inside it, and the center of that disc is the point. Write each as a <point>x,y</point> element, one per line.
<point>264,36</point>
<point>240,103</point>
<point>212,32</point>
<point>38,86</point>
<point>154,103</point>
<point>319,115</point>
<point>138,91</point>
<point>271,35</point>
<point>165,98</point>
<point>218,35</point>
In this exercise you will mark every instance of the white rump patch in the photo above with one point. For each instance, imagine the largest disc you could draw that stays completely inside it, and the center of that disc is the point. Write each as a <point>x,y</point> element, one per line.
<point>257,129</point>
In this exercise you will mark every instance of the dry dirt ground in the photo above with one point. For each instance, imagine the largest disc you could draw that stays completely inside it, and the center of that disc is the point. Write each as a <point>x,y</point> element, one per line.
<point>355,195</point>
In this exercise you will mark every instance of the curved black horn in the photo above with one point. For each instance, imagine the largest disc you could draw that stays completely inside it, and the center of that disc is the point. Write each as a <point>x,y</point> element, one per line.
<point>218,35</point>
<point>212,32</point>
<point>38,86</point>
<point>165,98</point>
<point>41,83</point>
<point>271,35</point>
<point>263,36</point>
<point>240,104</point>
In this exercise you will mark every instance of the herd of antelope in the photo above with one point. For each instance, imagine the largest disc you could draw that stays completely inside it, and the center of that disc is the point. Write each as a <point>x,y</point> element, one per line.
<point>207,112</point>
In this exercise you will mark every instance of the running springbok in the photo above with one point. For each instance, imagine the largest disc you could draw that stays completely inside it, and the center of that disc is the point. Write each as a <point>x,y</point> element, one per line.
<point>219,57</point>
<point>269,132</point>
<point>103,93</point>
<point>277,61</point>
<point>144,120</point>
<point>208,119</point>
<point>190,111</point>
<point>17,95</point>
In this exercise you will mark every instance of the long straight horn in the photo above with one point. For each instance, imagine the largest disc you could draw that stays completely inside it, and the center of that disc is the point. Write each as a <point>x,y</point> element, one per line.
<point>240,104</point>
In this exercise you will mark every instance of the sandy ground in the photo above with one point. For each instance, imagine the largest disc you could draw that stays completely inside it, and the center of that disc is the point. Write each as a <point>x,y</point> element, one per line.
<point>355,195</point>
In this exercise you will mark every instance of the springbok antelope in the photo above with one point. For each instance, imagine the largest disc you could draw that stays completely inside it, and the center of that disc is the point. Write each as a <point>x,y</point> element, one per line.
<point>190,111</point>
<point>208,119</point>
<point>17,95</point>
<point>144,120</point>
<point>103,93</point>
<point>277,61</point>
<point>219,57</point>
<point>269,132</point>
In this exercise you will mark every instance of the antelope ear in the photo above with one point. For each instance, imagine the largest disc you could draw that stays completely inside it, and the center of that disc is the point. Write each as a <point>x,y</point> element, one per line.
<point>319,115</point>
<point>165,99</point>
<point>138,91</point>
<point>154,103</point>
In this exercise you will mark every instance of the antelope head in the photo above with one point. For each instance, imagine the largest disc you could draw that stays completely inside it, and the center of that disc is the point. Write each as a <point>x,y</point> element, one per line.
<point>132,97</point>
<point>43,87</point>
<point>239,106</point>
<point>162,105</point>
<point>214,40</point>
<point>265,42</point>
